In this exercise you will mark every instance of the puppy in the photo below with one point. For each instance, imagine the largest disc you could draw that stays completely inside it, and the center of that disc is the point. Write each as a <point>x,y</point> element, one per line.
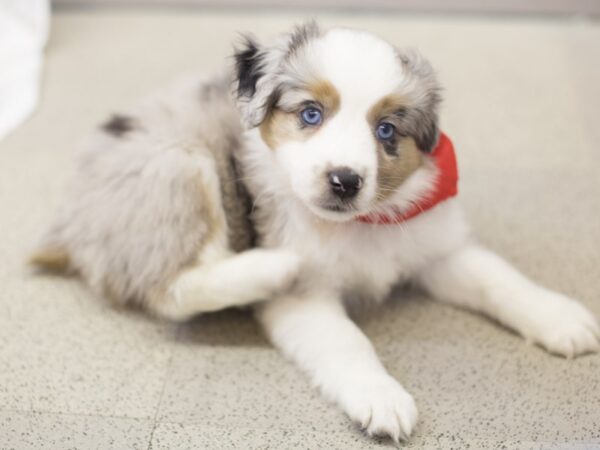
<point>312,171</point>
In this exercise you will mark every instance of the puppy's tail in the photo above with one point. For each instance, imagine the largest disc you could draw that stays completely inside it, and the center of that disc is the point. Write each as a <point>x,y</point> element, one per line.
<point>50,254</point>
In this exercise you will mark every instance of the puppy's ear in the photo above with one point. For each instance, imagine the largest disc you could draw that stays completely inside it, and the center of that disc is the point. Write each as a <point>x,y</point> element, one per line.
<point>261,70</point>
<point>249,66</point>
<point>424,91</point>
<point>254,85</point>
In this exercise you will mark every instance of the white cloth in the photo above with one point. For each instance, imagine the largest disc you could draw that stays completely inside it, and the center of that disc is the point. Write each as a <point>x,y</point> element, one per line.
<point>23,34</point>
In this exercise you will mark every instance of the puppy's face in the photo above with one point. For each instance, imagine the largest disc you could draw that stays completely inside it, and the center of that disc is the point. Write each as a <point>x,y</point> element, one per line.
<point>348,117</point>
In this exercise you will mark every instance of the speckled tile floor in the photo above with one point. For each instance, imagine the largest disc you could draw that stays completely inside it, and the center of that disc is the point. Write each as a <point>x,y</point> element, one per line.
<point>522,104</point>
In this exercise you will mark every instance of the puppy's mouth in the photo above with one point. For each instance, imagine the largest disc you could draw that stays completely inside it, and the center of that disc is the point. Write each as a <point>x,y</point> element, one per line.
<point>334,209</point>
<point>338,207</point>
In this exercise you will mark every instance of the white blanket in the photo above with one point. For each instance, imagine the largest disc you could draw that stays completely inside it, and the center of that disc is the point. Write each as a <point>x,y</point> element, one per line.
<point>23,34</point>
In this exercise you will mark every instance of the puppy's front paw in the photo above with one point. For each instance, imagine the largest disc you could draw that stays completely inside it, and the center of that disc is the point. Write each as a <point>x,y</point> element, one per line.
<point>278,269</point>
<point>564,327</point>
<point>381,407</point>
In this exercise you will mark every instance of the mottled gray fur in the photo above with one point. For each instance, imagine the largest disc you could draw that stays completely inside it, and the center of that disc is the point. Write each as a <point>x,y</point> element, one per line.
<point>144,202</point>
<point>421,120</point>
<point>118,125</point>
<point>302,36</point>
<point>274,67</point>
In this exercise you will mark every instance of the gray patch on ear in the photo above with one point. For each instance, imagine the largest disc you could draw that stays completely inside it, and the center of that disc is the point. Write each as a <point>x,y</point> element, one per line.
<point>260,70</point>
<point>248,67</point>
<point>301,36</point>
<point>255,67</point>
<point>421,119</point>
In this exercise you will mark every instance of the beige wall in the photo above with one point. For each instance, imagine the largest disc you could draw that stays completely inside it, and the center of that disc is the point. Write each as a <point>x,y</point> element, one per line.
<point>510,6</point>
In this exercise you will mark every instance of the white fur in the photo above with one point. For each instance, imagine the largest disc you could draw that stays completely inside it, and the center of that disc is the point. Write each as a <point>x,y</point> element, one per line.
<point>316,333</point>
<point>477,279</point>
<point>234,280</point>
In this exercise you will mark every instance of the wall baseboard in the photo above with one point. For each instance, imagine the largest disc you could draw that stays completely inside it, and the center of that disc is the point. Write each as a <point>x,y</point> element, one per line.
<point>586,7</point>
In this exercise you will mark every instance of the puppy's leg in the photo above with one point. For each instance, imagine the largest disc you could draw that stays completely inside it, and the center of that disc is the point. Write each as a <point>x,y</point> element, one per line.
<point>235,280</point>
<point>477,279</point>
<point>317,334</point>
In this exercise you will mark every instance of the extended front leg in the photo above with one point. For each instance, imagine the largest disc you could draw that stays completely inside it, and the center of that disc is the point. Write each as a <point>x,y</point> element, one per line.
<point>316,333</point>
<point>477,279</point>
<point>235,280</point>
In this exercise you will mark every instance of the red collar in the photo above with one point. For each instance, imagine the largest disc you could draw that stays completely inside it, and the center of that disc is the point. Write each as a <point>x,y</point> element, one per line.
<point>446,186</point>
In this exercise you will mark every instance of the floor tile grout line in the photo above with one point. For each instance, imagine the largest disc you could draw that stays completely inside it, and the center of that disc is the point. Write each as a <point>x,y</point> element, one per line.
<point>71,414</point>
<point>162,391</point>
<point>199,424</point>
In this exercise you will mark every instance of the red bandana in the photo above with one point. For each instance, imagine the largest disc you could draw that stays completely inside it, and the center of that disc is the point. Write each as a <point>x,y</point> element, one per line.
<point>446,186</point>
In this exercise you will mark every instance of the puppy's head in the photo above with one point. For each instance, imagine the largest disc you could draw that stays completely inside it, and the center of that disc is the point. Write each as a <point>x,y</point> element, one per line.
<point>348,117</point>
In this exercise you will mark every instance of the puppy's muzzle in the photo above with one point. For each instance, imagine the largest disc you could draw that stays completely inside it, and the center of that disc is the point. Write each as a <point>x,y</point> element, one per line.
<point>344,182</point>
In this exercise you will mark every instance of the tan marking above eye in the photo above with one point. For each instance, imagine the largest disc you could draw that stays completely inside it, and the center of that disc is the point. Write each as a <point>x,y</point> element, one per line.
<point>326,94</point>
<point>386,108</point>
<point>284,126</point>
<point>392,171</point>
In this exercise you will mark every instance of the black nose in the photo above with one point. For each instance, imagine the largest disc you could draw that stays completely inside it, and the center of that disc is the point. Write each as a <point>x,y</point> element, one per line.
<point>345,183</point>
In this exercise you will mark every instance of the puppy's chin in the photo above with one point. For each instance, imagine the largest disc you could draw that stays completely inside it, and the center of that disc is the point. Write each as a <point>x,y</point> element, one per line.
<point>333,212</point>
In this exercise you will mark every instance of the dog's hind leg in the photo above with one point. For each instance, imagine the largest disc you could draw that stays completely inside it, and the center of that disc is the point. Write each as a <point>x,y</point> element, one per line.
<point>233,280</point>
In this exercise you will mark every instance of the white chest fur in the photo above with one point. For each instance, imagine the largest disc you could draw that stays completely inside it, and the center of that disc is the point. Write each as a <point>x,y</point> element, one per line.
<point>366,258</point>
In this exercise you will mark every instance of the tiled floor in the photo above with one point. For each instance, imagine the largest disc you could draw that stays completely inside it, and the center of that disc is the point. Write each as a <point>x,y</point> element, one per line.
<point>522,100</point>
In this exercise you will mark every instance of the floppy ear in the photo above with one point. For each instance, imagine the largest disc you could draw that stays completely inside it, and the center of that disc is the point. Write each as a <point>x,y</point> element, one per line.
<point>422,120</point>
<point>248,67</point>
<point>259,72</point>
<point>254,83</point>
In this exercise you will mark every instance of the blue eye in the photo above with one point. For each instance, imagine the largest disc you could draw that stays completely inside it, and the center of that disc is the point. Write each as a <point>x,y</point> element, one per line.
<point>385,131</point>
<point>311,116</point>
